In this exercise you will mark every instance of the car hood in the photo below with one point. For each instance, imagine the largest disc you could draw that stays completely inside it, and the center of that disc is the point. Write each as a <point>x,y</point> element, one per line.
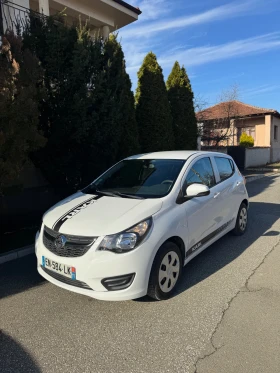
<point>92,215</point>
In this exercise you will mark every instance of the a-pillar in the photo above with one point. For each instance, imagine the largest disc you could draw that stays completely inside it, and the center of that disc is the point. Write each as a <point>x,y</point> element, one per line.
<point>105,32</point>
<point>44,7</point>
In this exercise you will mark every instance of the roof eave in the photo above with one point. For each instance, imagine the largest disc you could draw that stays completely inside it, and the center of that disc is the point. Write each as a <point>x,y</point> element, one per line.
<point>276,114</point>
<point>128,6</point>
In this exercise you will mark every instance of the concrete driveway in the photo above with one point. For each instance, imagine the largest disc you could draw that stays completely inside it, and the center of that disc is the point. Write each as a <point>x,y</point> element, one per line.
<point>224,318</point>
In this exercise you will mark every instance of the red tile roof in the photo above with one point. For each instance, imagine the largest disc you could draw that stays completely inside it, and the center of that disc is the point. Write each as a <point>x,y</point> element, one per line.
<point>128,6</point>
<point>219,111</point>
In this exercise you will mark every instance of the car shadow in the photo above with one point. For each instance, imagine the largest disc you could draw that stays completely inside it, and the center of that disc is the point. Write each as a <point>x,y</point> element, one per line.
<point>14,358</point>
<point>19,275</point>
<point>262,217</point>
<point>258,186</point>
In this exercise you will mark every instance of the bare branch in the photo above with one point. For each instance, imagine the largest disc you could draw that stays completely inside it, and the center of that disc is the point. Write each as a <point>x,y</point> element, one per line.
<point>221,130</point>
<point>200,103</point>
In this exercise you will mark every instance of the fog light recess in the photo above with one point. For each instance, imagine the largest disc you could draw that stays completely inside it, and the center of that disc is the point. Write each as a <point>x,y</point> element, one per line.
<point>118,282</point>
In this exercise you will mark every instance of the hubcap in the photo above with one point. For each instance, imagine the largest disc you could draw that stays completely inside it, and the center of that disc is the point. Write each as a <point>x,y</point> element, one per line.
<point>169,271</point>
<point>243,219</point>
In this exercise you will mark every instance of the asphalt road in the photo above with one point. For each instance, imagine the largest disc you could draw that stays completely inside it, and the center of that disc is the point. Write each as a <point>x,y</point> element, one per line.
<point>224,317</point>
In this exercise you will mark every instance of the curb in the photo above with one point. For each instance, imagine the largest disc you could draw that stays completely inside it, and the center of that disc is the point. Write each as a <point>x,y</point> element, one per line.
<point>17,254</point>
<point>249,179</point>
<point>263,169</point>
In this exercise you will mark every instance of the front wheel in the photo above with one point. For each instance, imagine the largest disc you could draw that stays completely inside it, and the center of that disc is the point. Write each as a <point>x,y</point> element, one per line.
<point>241,221</point>
<point>166,271</point>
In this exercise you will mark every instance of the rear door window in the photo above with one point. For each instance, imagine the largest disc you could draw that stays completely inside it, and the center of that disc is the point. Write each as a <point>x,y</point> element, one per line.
<point>225,167</point>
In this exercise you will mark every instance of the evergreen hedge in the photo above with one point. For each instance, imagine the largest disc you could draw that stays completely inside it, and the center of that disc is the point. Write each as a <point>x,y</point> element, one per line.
<point>20,75</point>
<point>89,114</point>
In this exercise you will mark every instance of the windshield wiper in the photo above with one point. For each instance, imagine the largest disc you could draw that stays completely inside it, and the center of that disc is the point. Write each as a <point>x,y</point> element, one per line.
<point>109,194</point>
<point>124,195</point>
<point>93,189</point>
<point>118,194</point>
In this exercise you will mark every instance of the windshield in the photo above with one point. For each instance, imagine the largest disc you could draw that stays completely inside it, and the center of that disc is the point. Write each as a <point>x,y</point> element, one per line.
<point>139,178</point>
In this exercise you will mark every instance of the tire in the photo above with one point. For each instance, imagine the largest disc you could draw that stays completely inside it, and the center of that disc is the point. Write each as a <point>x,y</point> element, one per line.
<point>161,284</point>
<point>241,221</point>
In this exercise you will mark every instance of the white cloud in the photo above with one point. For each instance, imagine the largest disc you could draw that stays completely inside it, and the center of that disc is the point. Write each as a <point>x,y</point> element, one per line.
<point>152,9</point>
<point>219,13</point>
<point>249,92</point>
<point>153,29</point>
<point>206,54</point>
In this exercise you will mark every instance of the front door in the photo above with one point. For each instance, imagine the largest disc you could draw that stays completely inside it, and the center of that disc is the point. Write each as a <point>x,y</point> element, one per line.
<point>202,213</point>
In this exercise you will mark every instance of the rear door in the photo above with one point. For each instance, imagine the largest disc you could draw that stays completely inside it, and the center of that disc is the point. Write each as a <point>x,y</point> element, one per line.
<point>228,188</point>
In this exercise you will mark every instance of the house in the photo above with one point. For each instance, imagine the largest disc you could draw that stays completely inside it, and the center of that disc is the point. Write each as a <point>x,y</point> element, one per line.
<point>104,16</point>
<point>223,124</point>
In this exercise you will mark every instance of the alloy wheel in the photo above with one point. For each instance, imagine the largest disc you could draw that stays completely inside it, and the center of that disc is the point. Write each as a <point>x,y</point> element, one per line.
<point>169,271</point>
<point>243,219</point>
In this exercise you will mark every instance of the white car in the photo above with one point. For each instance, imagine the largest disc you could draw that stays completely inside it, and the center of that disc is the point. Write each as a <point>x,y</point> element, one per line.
<point>132,230</point>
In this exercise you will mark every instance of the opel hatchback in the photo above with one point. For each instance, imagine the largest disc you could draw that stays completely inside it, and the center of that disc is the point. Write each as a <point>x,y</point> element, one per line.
<point>133,229</point>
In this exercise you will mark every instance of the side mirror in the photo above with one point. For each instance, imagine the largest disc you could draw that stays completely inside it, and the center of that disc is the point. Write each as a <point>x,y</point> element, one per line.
<point>197,190</point>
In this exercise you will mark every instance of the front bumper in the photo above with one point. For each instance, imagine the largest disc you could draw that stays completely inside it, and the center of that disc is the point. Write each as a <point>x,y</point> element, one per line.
<point>95,266</point>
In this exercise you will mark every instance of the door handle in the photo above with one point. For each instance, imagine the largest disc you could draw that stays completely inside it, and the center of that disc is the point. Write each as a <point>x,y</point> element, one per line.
<point>238,183</point>
<point>216,195</point>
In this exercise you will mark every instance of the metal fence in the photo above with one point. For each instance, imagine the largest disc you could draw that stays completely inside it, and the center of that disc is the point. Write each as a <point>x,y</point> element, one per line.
<point>14,17</point>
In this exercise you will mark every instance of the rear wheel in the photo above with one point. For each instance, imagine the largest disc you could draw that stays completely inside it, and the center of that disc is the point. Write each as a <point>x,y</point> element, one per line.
<point>166,271</point>
<point>241,221</point>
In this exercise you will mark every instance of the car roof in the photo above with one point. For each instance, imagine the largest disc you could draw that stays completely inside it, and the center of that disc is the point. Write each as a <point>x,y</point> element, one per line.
<point>176,154</point>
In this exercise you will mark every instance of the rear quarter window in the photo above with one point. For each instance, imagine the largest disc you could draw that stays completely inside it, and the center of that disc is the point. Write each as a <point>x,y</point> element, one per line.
<point>225,167</point>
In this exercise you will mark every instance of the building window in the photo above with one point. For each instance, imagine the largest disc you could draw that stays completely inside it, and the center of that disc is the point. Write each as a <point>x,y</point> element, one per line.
<point>275,133</point>
<point>251,132</point>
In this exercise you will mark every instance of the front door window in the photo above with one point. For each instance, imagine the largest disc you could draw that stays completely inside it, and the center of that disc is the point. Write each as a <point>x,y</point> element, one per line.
<point>202,173</point>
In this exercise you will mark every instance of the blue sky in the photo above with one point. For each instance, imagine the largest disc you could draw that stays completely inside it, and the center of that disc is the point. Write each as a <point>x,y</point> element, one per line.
<point>221,43</point>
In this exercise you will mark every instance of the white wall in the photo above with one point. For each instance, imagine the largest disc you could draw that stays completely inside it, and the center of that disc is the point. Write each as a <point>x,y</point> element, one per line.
<point>24,3</point>
<point>257,157</point>
<point>44,7</point>
<point>275,143</point>
<point>275,155</point>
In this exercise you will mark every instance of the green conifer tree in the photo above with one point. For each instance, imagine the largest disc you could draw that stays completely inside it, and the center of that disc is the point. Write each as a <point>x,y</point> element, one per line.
<point>152,108</point>
<point>180,97</point>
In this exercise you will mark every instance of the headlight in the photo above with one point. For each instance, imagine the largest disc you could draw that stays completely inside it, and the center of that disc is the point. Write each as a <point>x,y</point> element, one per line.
<point>127,240</point>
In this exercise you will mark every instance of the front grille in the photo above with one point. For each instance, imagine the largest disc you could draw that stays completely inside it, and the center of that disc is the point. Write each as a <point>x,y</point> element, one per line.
<point>75,245</point>
<point>66,280</point>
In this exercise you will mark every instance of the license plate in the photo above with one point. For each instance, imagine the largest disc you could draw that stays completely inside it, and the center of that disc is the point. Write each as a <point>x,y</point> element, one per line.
<point>62,269</point>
